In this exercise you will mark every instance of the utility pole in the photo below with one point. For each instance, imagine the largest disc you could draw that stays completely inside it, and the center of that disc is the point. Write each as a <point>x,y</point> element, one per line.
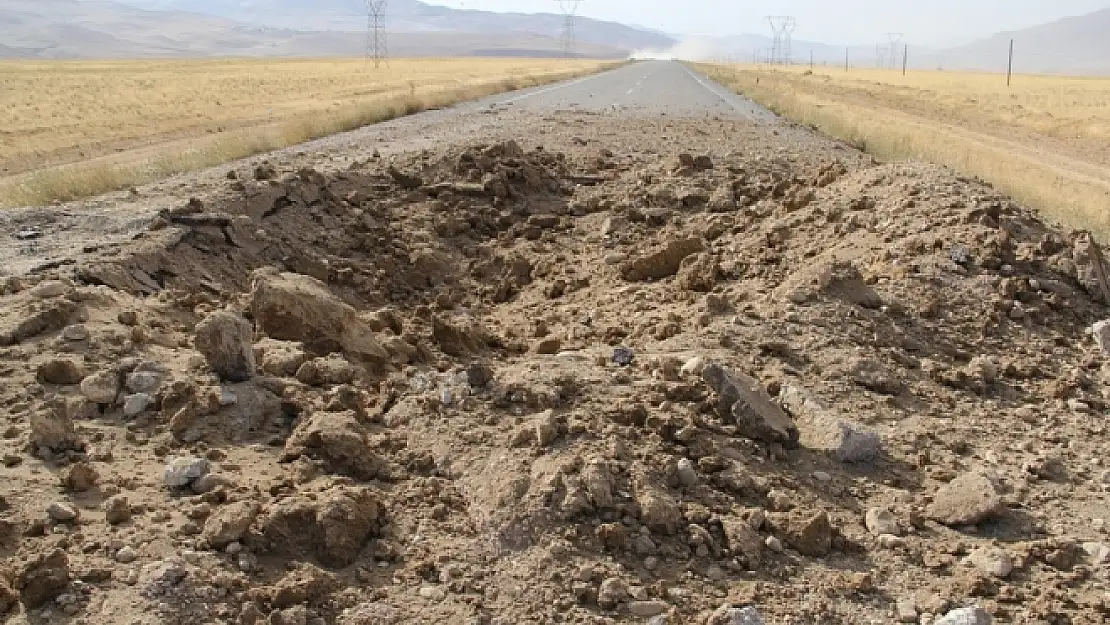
<point>1010,65</point>
<point>570,11</point>
<point>846,51</point>
<point>905,57</point>
<point>783,29</point>
<point>895,39</point>
<point>811,60</point>
<point>376,48</point>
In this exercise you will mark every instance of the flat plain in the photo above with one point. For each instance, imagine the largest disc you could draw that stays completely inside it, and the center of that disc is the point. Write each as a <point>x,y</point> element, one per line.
<point>76,128</point>
<point>1042,139</point>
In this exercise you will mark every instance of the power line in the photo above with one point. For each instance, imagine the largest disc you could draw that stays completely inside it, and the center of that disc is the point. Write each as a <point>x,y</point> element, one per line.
<point>376,48</point>
<point>783,28</point>
<point>570,11</point>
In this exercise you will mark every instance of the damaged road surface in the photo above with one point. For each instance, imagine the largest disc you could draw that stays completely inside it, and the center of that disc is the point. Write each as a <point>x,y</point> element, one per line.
<point>574,355</point>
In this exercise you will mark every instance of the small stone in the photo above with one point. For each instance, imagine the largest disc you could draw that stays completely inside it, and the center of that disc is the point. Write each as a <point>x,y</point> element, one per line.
<point>965,616</point>
<point>225,340</point>
<point>774,544</point>
<point>62,512</point>
<point>966,500</point>
<point>76,332</point>
<point>134,405</point>
<point>478,375</point>
<point>62,371</point>
<point>743,401</point>
<point>810,534</point>
<point>230,523</point>
<point>992,561</point>
<point>49,288</point>
<point>644,609</point>
<point>686,473</point>
<point>433,593</point>
<point>548,346</point>
<point>906,611</point>
<point>128,318</point>
<point>623,356</point>
<point>890,541</point>
<point>880,521</point>
<point>693,367</point>
<point>1101,332</point>
<point>80,477</point>
<point>1097,553</point>
<point>209,482</point>
<point>126,555</point>
<point>547,429</point>
<point>181,471</point>
<point>822,477</point>
<point>117,509</point>
<point>143,382</point>
<point>612,592</point>
<point>101,387</point>
<point>728,615</point>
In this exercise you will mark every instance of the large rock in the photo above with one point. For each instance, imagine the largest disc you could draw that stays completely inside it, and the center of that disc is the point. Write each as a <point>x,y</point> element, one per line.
<point>182,471</point>
<point>24,319</point>
<point>823,430</point>
<point>60,371</point>
<point>42,577</point>
<point>52,426</point>
<point>295,307</point>
<point>339,441</point>
<point>742,539</point>
<point>662,263</point>
<point>329,371</point>
<point>809,533</point>
<point>229,523</point>
<point>226,341</point>
<point>1090,270</point>
<point>280,358</point>
<point>102,387</point>
<point>331,527</point>
<point>966,500</point>
<point>741,400</point>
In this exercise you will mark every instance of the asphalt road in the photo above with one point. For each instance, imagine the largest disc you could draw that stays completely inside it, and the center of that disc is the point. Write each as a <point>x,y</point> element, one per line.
<point>645,88</point>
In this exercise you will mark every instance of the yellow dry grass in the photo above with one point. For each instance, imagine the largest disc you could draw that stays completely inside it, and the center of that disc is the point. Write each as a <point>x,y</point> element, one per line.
<point>71,129</point>
<point>1043,140</point>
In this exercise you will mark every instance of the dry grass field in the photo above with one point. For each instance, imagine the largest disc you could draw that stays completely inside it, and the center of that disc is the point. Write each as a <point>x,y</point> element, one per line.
<point>1043,140</point>
<point>70,129</point>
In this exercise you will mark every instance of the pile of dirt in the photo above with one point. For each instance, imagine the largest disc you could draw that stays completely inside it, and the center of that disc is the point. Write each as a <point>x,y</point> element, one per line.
<point>499,384</point>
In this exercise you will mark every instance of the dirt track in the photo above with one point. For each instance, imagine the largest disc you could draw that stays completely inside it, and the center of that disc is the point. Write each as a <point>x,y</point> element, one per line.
<point>540,363</point>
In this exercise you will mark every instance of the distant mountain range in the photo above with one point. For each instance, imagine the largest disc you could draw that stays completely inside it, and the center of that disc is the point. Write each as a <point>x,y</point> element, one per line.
<point>1074,45</point>
<point>143,28</point>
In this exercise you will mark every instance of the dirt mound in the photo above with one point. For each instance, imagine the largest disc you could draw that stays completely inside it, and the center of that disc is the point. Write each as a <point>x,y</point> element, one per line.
<point>497,384</point>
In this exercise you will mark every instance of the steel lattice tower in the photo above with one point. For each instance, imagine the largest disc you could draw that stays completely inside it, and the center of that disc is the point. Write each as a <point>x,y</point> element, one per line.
<point>376,48</point>
<point>570,11</point>
<point>895,39</point>
<point>783,29</point>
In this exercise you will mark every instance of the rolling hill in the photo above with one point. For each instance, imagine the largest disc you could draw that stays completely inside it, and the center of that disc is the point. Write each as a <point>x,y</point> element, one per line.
<point>106,29</point>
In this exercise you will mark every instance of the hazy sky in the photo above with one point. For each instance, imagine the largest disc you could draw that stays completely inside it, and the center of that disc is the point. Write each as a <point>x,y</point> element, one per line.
<point>925,22</point>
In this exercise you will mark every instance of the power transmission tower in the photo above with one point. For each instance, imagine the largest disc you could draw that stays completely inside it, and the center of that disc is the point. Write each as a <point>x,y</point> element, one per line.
<point>376,48</point>
<point>895,39</point>
<point>783,29</point>
<point>570,11</point>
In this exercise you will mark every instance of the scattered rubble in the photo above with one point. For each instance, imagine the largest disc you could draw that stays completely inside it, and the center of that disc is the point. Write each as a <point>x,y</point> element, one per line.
<point>498,383</point>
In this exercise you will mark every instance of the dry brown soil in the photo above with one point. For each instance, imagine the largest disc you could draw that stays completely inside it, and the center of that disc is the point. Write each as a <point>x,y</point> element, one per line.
<point>561,368</point>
